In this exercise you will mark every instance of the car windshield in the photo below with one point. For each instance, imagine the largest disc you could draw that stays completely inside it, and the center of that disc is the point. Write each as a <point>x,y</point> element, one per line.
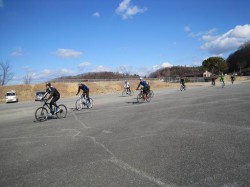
<point>10,94</point>
<point>40,93</point>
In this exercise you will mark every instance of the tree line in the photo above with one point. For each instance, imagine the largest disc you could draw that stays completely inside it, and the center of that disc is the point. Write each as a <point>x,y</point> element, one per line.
<point>236,63</point>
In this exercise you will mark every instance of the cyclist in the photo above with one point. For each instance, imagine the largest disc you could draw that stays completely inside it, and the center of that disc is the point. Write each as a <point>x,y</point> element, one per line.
<point>127,86</point>
<point>222,77</point>
<point>145,86</point>
<point>213,80</point>
<point>182,81</point>
<point>232,78</point>
<point>85,90</point>
<point>53,93</point>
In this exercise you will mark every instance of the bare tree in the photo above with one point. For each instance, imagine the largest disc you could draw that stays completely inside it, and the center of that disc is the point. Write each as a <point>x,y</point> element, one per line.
<point>27,79</point>
<point>5,72</point>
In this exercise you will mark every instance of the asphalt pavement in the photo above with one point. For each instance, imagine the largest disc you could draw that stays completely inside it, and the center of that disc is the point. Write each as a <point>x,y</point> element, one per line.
<point>198,137</point>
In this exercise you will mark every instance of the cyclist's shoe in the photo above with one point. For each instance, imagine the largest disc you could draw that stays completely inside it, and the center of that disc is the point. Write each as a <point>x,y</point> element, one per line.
<point>58,110</point>
<point>50,114</point>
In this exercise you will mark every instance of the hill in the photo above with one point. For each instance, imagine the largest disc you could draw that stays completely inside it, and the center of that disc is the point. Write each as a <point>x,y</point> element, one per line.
<point>179,71</point>
<point>98,75</point>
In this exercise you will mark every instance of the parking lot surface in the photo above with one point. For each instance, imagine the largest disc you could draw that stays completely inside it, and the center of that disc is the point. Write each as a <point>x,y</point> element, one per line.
<point>197,137</point>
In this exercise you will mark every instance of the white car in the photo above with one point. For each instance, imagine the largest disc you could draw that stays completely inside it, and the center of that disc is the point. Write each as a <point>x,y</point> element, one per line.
<point>11,96</point>
<point>39,95</point>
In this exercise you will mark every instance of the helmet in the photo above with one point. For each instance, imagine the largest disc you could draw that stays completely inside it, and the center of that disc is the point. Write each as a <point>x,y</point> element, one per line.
<point>141,78</point>
<point>125,81</point>
<point>48,84</point>
<point>79,84</point>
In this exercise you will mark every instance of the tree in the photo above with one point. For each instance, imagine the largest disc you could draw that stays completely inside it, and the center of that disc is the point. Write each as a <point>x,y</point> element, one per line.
<point>240,59</point>
<point>5,72</point>
<point>216,65</point>
<point>27,79</point>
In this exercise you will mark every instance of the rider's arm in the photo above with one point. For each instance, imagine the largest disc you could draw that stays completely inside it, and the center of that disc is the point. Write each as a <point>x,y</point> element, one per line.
<point>138,86</point>
<point>78,90</point>
<point>46,93</point>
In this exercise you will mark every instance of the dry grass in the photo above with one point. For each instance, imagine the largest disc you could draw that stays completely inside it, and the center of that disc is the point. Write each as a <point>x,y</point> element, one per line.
<point>27,92</point>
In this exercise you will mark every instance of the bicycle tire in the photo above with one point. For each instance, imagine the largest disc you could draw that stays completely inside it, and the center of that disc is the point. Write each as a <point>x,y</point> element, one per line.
<point>151,93</point>
<point>181,88</point>
<point>124,93</point>
<point>131,93</point>
<point>78,104</point>
<point>89,104</point>
<point>41,114</point>
<point>140,98</point>
<point>148,99</point>
<point>63,111</point>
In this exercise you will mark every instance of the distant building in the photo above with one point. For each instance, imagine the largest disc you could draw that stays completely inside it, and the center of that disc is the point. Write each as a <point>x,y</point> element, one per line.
<point>207,74</point>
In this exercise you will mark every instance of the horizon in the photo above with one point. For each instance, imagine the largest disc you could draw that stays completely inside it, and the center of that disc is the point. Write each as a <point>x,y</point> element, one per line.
<point>50,39</point>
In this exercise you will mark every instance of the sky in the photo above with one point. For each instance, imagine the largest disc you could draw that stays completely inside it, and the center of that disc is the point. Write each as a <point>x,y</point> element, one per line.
<point>52,38</point>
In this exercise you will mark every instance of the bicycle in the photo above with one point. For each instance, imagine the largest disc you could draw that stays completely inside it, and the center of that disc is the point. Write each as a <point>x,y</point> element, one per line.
<point>82,102</point>
<point>126,92</point>
<point>142,97</point>
<point>151,93</point>
<point>223,84</point>
<point>182,87</point>
<point>232,80</point>
<point>42,113</point>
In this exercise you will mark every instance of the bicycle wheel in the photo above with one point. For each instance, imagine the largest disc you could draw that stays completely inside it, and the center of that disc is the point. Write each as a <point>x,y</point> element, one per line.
<point>140,98</point>
<point>124,93</point>
<point>148,98</point>
<point>181,88</point>
<point>62,112</point>
<point>89,104</point>
<point>131,93</point>
<point>41,114</point>
<point>151,93</point>
<point>79,104</point>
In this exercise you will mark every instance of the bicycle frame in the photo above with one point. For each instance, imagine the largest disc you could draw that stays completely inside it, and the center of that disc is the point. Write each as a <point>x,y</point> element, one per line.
<point>83,99</point>
<point>143,94</point>
<point>47,104</point>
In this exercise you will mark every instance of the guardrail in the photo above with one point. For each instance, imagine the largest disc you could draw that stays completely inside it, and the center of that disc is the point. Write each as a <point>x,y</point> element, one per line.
<point>99,80</point>
<point>166,79</point>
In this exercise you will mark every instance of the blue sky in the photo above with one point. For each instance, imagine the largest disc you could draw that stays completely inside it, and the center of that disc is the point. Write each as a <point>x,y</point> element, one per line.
<point>52,38</point>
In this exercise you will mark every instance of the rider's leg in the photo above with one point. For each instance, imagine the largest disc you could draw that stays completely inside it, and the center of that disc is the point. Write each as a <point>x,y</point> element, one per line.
<point>87,94</point>
<point>53,102</point>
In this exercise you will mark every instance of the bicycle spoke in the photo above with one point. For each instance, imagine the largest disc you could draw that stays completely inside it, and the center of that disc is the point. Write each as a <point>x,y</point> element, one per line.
<point>62,112</point>
<point>41,114</point>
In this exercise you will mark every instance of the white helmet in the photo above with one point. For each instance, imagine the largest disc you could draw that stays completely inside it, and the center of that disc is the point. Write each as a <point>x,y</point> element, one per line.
<point>141,78</point>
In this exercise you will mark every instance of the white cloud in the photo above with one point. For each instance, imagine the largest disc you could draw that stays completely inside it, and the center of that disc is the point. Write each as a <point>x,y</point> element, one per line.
<point>228,41</point>
<point>101,69</point>
<point>163,65</point>
<point>1,4</point>
<point>83,65</point>
<point>51,74</point>
<point>125,69</point>
<point>96,14</point>
<point>166,65</point>
<point>187,29</point>
<point>67,53</point>
<point>126,10</point>
<point>17,52</point>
